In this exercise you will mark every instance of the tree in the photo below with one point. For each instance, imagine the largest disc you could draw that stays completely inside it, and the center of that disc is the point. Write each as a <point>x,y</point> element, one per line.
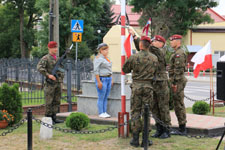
<point>105,21</point>
<point>173,16</point>
<point>88,10</point>
<point>9,33</point>
<point>28,15</point>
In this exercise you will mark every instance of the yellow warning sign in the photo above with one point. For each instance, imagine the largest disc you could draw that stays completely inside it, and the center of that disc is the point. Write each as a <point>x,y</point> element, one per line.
<point>77,37</point>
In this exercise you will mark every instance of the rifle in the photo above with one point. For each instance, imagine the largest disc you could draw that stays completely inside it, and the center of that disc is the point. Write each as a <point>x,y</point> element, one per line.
<point>56,67</point>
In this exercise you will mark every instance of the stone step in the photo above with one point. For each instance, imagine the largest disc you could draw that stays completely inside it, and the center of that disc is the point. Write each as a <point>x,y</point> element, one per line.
<point>89,89</point>
<point>88,105</point>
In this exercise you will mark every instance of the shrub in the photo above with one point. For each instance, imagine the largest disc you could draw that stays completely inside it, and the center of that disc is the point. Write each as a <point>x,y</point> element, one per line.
<point>10,100</point>
<point>77,121</point>
<point>200,107</point>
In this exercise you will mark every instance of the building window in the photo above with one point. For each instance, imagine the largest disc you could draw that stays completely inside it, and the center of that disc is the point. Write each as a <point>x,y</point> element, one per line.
<point>221,53</point>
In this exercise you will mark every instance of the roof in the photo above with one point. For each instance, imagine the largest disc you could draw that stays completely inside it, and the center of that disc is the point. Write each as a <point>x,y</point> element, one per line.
<point>215,16</point>
<point>194,48</point>
<point>133,17</point>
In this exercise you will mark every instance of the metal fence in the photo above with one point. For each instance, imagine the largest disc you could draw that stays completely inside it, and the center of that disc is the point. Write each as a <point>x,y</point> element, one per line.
<point>24,72</point>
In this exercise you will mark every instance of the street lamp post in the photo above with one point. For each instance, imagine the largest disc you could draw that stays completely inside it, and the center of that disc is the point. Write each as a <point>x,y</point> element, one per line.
<point>99,31</point>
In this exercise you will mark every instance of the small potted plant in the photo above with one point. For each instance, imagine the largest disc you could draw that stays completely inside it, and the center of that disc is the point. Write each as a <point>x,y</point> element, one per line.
<point>5,118</point>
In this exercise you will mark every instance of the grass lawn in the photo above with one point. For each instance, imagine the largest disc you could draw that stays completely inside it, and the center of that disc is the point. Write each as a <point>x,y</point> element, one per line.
<point>17,140</point>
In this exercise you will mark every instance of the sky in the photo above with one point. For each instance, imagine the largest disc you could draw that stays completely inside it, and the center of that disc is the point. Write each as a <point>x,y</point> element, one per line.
<point>220,9</point>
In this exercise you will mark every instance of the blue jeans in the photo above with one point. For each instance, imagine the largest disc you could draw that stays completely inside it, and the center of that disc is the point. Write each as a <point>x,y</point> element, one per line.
<point>103,93</point>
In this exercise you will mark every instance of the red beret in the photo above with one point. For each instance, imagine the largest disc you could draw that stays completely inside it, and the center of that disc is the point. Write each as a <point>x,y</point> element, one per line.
<point>146,39</point>
<point>52,44</point>
<point>159,38</point>
<point>175,37</point>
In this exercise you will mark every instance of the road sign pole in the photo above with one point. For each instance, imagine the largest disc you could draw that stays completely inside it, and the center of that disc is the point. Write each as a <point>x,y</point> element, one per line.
<point>76,66</point>
<point>76,50</point>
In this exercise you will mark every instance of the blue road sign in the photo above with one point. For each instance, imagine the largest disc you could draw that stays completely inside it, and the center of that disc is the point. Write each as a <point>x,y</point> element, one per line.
<point>77,26</point>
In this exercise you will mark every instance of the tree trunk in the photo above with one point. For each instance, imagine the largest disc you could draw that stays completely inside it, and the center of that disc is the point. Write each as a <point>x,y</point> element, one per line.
<point>22,43</point>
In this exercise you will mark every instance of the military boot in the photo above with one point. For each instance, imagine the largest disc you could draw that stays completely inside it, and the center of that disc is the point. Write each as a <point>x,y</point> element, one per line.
<point>183,130</point>
<point>56,120</point>
<point>149,141</point>
<point>135,140</point>
<point>158,131</point>
<point>165,134</point>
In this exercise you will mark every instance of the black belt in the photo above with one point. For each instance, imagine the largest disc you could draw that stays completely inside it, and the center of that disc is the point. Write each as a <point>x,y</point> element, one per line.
<point>106,75</point>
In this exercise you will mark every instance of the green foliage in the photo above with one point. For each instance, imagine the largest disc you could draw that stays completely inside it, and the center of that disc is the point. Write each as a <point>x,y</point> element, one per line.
<point>10,99</point>
<point>19,18</point>
<point>9,32</point>
<point>200,107</point>
<point>96,15</point>
<point>38,52</point>
<point>173,16</point>
<point>77,121</point>
<point>105,21</point>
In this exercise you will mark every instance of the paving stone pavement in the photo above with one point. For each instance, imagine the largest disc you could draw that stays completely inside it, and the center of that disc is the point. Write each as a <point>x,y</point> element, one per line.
<point>196,124</point>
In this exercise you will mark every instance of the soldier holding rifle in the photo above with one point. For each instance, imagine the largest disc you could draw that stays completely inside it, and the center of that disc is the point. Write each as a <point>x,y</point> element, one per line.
<point>52,89</point>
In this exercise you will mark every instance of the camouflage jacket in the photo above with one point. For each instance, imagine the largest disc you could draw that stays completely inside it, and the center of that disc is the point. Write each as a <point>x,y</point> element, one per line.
<point>160,54</point>
<point>177,66</point>
<point>46,65</point>
<point>161,71</point>
<point>143,66</point>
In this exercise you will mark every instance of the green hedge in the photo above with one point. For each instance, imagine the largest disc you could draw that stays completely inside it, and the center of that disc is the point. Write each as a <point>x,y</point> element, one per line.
<point>10,100</point>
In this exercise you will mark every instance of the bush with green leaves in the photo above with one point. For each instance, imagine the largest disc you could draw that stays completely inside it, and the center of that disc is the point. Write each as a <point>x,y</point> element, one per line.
<point>77,121</point>
<point>10,100</point>
<point>200,107</point>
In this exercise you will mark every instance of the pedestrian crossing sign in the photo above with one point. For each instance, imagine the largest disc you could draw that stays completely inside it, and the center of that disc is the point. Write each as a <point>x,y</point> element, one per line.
<point>77,37</point>
<point>77,26</point>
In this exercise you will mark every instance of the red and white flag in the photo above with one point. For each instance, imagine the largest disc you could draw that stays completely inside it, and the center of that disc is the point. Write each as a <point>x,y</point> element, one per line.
<point>146,27</point>
<point>202,59</point>
<point>128,45</point>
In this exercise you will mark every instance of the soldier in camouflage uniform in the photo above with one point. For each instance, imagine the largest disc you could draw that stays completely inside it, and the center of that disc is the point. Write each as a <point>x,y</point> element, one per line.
<point>143,67</point>
<point>177,67</point>
<point>160,103</point>
<point>52,90</point>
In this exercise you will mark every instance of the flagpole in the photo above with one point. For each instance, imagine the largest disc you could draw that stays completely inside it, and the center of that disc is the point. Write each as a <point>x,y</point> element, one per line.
<point>210,90</point>
<point>210,103</point>
<point>212,95</point>
<point>123,131</point>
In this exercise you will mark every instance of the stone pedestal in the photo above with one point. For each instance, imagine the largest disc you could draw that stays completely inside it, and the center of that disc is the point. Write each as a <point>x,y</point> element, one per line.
<point>87,102</point>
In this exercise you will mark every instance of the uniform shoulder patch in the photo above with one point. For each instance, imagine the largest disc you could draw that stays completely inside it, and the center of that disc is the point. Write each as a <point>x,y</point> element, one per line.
<point>177,56</point>
<point>45,57</point>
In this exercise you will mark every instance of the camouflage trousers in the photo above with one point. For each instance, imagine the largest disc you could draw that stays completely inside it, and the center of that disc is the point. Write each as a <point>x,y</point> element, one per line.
<point>142,94</point>
<point>52,98</point>
<point>178,100</point>
<point>160,103</point>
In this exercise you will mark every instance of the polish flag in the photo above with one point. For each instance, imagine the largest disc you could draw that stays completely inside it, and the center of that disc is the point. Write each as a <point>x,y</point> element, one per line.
<point>128,45</point>
<point>146,27</point>
<point>202,59</point>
